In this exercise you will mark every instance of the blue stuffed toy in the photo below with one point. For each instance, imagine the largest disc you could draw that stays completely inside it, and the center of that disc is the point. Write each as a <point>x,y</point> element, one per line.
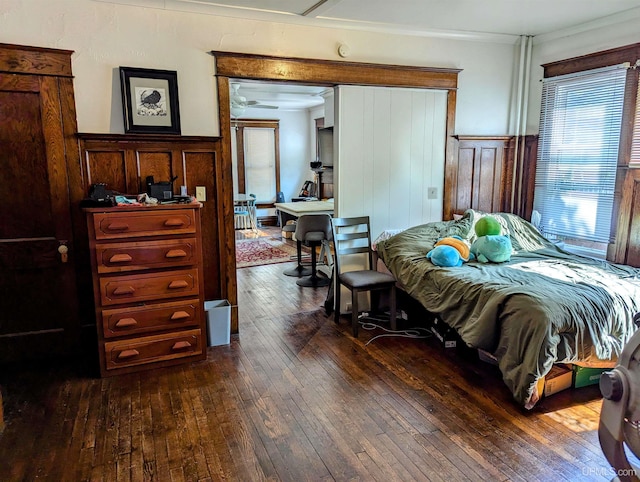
<point>445,255</point>
<point>449,252</point>
<point>492,248</point>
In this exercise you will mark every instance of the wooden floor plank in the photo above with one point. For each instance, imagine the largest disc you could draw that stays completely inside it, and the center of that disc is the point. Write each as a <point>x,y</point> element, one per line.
<point>294,397</point>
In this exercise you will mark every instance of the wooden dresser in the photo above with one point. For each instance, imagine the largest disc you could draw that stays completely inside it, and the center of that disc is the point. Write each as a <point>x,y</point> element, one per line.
<point>148,286</point>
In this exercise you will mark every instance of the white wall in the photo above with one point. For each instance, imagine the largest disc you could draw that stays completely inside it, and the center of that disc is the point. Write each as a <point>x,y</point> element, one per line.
<point>294,149</point>
<point>560,47</point>
<point>389,151</point>
<point>105,36</point>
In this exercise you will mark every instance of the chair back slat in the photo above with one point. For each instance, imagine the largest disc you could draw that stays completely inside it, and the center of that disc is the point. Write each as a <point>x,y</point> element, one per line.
<point>351,236</point>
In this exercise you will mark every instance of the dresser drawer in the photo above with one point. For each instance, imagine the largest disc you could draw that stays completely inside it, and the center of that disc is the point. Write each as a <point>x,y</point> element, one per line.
<point>117,225</point>
<point>135,288</point>
<point>119,257</point>
<point>151,318</point>
<point>150,349</point>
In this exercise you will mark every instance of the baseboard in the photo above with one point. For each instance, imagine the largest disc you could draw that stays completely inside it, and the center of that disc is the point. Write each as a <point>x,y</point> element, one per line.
<point>268,221</point>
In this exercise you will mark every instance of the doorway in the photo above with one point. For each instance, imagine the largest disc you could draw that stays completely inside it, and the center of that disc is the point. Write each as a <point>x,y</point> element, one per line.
<point>273,144</point>
<point>230,65</point>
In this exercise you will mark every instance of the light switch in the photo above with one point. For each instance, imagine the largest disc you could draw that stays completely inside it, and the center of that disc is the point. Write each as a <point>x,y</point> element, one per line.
<point>432,193</point>
<point>201,193</point>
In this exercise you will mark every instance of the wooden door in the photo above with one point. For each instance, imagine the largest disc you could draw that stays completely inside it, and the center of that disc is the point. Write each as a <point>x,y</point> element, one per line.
<point>481,178</point>
<point>38,299</point>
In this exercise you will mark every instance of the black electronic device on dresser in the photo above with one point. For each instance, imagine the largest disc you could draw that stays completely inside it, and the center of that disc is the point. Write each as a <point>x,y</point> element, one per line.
<point>162,190</point>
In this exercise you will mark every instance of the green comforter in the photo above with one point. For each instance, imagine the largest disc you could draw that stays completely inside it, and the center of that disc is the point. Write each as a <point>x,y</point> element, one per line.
<point>544,306</point>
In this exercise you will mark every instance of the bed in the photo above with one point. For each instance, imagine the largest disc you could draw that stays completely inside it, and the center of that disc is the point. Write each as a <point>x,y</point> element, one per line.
<point>544,306</point>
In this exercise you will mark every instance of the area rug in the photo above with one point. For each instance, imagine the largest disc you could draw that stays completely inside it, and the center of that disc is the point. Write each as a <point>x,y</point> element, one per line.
<point>257,252</point>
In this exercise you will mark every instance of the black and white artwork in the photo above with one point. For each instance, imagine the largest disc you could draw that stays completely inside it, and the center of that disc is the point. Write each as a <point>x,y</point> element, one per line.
<point>150,101</point>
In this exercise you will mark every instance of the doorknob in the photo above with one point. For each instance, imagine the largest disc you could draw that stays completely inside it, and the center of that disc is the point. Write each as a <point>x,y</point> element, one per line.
<point>63,249</point>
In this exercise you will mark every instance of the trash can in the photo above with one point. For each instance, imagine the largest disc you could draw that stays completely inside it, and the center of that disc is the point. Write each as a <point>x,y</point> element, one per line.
<point>218,322</point>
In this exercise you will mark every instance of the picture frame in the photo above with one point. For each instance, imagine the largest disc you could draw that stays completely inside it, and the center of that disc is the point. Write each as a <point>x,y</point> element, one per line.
<point>150,101</point>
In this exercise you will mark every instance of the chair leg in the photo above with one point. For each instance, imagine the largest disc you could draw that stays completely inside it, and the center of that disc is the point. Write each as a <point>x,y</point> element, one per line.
<point>354,312</point>
<point>313,280</point>
<point>299,271</point>
<point>336,300</point>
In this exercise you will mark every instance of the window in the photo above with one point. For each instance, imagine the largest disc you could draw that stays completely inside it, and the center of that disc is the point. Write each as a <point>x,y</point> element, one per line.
<point>256,158</point>
<point>580,130</point>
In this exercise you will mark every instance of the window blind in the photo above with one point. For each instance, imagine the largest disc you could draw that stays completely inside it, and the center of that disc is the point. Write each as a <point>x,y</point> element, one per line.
<point>260,163</point>
<point>580,124</point>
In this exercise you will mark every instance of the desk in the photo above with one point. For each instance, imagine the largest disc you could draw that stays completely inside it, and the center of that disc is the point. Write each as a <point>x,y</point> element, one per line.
<point>296,210</point>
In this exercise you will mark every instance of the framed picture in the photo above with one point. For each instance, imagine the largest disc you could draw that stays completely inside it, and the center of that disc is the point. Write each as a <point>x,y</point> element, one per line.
<point>150,101</point>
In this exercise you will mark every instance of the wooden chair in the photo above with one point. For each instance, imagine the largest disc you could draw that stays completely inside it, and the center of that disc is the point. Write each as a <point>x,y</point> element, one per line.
<point>352,236</point>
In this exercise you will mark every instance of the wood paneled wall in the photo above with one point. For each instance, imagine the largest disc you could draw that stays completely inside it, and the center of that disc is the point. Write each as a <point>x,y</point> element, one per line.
<point>123,162</point>
<point>482,177</point>
<point>626,248</point>
<point>485,175</point>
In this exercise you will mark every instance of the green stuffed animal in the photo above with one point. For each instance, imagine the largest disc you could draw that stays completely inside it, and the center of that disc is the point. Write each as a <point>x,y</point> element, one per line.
<point>486,226</point>
<point>492,248</point>
<point>490,245</point>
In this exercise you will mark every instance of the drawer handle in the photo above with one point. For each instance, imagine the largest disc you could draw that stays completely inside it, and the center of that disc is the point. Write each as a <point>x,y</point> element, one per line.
<point>126,322</point>
<point>127,354</point>
<point>175,253</point>
<point>124,290</point>
<point>177,284</point>
<point>173,222</point>
<point>180,315</point>
<point>181,345</point>
<point>120,258</point>
<point>118,227</point>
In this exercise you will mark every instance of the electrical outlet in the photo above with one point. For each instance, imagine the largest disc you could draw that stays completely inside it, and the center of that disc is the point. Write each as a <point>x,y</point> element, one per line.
<point>201,193</point>
<point>432,193</point>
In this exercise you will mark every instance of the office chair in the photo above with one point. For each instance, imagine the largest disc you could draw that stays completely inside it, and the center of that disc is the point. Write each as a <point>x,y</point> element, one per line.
<point>313,229</point>
<point>352,236</point>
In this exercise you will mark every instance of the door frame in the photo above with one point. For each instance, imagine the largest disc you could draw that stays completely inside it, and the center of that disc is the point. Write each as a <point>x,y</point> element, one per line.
<point>235,65</point>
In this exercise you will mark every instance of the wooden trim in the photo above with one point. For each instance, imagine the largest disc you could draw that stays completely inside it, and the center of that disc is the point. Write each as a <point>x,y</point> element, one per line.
<point>628,117</point>
<point>226,228</point>
<point>605,58</point>
<point>451,158</point>
<point>19,59</point>
<point>146,138</point>
<point>329,72</point>
<point>242,185</point>
<point>240,125</point>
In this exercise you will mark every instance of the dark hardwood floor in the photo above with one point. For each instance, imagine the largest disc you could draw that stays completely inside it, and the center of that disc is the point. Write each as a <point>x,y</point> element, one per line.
<point>294,397</point>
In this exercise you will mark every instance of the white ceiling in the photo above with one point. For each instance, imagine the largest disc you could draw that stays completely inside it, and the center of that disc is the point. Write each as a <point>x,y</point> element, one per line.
<point>494,20</point>
<point>464,18</point>
<point>284,96</point>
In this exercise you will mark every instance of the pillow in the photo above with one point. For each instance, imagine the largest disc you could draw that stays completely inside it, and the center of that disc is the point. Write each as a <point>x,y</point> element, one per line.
<point>524,236</point>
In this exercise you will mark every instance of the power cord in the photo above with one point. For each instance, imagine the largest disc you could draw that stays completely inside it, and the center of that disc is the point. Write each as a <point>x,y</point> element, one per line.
<point>416,332</point>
